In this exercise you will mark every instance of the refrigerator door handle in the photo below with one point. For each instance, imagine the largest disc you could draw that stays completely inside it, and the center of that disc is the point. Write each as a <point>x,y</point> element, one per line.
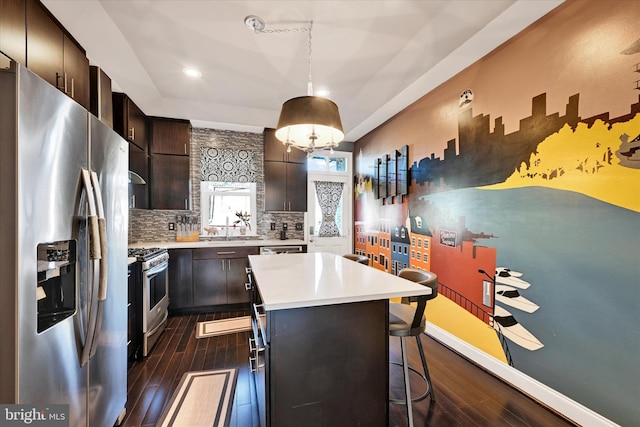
<point>94,311</point>
<point>94,233</point>
<point>94,253</point>
<point>102,277</point>
<point>102,230</point>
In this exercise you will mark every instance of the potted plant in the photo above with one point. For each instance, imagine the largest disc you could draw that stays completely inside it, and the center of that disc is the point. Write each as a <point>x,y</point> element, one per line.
<point>244,219</point>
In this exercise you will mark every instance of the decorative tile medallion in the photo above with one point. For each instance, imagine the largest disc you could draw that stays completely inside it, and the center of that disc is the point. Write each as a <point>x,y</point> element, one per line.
<point>227,165</point>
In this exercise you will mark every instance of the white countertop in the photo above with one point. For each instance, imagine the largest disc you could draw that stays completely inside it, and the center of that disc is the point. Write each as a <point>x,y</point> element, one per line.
<point>218,243</point>
<point>313,279</point>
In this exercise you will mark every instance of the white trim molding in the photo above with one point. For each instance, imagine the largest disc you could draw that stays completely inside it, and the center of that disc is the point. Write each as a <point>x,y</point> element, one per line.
<point>547,396</point>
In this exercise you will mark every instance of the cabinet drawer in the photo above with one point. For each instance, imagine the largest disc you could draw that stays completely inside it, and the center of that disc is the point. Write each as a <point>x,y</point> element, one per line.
<point>225,252</point>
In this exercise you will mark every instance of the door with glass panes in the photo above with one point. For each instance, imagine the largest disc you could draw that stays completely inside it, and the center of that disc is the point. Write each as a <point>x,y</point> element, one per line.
<point>330,203</point>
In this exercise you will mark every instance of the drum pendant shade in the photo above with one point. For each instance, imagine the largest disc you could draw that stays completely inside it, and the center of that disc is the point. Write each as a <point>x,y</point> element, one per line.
<point>310,123</point>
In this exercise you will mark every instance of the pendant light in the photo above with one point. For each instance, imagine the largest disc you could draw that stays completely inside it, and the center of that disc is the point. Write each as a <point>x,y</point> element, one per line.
<point>310,122</point>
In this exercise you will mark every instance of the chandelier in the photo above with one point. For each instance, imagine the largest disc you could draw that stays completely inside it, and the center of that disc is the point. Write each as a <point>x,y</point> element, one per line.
<point>308,123</point>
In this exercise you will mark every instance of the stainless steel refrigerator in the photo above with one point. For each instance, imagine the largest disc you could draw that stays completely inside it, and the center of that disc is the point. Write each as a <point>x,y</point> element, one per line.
<point>63,246</point>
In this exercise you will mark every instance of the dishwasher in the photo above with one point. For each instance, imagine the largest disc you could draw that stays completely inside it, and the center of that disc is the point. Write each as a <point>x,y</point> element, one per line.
<point>273,250</point>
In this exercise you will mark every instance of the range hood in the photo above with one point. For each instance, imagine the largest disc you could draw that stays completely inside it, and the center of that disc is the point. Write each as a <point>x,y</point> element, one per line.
<point>134,178</point>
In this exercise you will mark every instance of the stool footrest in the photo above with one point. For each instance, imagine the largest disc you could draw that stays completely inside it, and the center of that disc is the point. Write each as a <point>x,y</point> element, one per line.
<point>415,399</point>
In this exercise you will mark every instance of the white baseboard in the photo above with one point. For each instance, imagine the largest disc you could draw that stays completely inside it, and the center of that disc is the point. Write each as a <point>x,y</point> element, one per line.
<point>558,402</point>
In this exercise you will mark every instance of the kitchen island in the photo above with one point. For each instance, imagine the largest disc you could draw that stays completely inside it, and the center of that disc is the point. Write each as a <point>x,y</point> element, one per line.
<point>320,348</point>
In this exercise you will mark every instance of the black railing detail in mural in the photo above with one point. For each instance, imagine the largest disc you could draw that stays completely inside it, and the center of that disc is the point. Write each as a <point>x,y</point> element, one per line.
<point>478,312</point>
<point>505,345</point>
<point>464,302</point>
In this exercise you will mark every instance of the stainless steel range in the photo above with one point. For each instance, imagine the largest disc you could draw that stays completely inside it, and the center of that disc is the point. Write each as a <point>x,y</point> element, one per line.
<point>154,295</point>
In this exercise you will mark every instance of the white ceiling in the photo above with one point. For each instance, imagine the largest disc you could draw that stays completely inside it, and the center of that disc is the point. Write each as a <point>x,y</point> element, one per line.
<point>375,57</point>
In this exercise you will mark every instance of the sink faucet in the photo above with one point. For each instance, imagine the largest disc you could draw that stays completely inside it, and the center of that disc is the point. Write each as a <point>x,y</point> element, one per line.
<point>227,228</point>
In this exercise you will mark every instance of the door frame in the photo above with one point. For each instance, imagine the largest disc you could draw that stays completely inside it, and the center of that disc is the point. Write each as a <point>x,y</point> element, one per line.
<point>339,245</point>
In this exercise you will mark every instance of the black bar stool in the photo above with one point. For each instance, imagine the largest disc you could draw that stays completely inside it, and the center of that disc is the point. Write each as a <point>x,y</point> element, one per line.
<point>362,259</point>
<point>405,321</point>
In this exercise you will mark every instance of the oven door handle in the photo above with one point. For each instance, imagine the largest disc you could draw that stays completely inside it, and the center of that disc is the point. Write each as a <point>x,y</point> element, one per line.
<point>156,269</point>
<point>159,325</point>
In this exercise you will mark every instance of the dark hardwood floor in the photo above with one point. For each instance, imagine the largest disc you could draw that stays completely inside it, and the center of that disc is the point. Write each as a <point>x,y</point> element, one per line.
<point>465,394</point>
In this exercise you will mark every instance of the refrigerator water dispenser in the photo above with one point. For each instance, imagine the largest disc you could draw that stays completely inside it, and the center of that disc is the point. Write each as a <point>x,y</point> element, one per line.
<point>56,291</point>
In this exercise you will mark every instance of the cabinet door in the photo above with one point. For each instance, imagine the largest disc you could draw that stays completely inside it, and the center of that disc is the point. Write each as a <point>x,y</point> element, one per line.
<point>13,40</point>
<point>169,182</point>
<point>236,278</point>
<point>44,44</point>
<point>209,281</point>
<point>139,163</point>
<point>285,186</point>
<point>275,150</point>
<point>180,279</point>
<point>170,136</point>
<point>296,187</point>
<point>136,125</point>
<point>76,72</point>
<point>100,102</point>
<point>275,192</point>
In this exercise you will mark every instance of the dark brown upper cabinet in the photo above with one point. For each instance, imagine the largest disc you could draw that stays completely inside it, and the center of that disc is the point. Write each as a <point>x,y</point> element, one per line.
<point>54,55</point>
<point>170,182</point>
<point>100,99</point>
<point>76,72</point>
<point>129,120</point>
<point>285,176</point>
<point>170,163</point>
<point>45,44</point>
<point>275,150</point>
<point>170,136</point>
<point>285,186</point>
<point>13,31</point>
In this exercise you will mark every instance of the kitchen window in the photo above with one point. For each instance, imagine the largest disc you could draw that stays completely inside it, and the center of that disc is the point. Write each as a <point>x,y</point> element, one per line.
<point>228,206</point>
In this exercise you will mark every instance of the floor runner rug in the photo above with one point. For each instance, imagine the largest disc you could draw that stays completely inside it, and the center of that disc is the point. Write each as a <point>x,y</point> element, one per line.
<point>224,326</point>
<point>203,398</point>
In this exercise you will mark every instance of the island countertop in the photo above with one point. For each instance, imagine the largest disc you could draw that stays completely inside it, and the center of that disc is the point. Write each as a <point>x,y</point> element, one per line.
<point>314,279</point>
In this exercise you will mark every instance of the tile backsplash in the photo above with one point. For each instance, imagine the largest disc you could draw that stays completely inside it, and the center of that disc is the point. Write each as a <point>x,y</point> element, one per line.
<point>153,225</point>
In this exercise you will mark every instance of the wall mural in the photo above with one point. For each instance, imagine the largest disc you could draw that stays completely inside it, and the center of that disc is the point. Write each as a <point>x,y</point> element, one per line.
<point>534,233</point>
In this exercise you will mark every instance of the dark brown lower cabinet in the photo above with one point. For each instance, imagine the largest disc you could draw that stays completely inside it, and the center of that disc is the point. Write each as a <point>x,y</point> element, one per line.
<point>208,277</point>
<point>180,279</point>
<point>209,281</point>
<point>324,366</point>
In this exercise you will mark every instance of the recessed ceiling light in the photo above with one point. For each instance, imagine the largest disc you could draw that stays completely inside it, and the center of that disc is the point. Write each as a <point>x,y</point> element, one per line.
<point>322,92</point>
<point>192,72</point>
